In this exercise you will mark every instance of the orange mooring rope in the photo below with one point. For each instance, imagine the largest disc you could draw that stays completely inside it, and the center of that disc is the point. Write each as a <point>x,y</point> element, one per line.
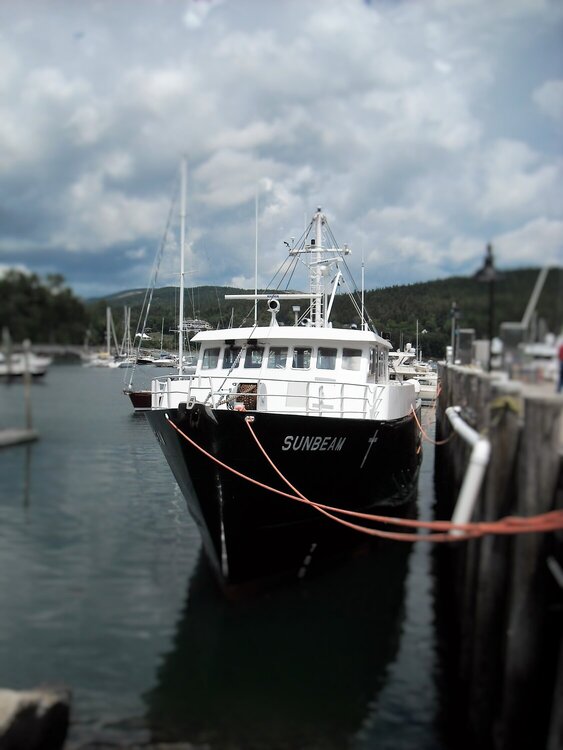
<point>426,436</point>
<point>551,521</point>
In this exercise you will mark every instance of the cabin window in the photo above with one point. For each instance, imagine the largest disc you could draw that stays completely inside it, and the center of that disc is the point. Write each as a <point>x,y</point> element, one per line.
<point>301,358</point>
<point>277,357</point>
<point>210,358</point>
<point>326,358</point>
<point>351,359</point>
<point>373,361</point>
<point>230,357</point>
<point>254,356</point>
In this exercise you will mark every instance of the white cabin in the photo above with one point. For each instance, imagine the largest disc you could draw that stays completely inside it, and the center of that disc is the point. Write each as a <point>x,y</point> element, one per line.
<point>294,370</point>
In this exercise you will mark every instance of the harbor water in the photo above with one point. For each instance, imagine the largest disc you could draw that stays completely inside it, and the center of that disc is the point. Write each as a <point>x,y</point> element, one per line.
<point>104,589</point>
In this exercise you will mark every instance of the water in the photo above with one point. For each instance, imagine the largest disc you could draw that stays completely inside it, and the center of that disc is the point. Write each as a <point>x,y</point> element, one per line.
<point>103,588</point>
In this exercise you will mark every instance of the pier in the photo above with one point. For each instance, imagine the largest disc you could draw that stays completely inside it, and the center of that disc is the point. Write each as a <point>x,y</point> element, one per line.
<point>503,594</point>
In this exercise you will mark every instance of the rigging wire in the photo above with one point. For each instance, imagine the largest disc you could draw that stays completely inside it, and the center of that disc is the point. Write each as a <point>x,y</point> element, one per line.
<point>150,289</point>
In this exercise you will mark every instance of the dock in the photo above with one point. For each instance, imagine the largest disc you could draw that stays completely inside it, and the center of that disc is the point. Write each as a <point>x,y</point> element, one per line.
<point>13,436</point>
<point>20,435</point>
<point>503,594</point>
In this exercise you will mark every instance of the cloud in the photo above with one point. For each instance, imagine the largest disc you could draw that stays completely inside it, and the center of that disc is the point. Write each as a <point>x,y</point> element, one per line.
<point>519,180</point>
<point>423,129</point>
<point>549,98</point>
<point>540,239</point>
<point>197,11</point>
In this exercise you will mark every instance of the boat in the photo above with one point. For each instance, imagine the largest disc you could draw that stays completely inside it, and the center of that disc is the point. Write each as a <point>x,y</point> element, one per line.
<point>305,410</point>
<point>404,365</point>
<point>140,398</point>
<point>15,365</point>
<point>108,358</point>
<point>195,324</point>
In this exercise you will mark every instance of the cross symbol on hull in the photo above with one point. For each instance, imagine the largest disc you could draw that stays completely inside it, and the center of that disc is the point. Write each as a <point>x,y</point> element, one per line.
<point>372,440</point>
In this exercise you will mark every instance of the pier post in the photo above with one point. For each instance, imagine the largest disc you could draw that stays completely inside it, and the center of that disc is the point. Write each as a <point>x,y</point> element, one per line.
<point>27,384</point>
<point>491,553</point>
<point>496,594</point>
<point>526,659</point>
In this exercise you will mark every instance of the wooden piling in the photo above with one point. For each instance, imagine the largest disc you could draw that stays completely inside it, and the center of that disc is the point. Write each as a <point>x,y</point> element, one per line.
<point>16,436</point>
<point>500,585</point>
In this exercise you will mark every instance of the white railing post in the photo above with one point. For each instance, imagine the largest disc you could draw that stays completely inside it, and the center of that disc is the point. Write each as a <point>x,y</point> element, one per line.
<point>476,468</point>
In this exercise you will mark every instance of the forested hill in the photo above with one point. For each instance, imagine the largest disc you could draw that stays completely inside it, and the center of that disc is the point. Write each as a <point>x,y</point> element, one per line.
<point>394,310</point>
<point>46,310</point>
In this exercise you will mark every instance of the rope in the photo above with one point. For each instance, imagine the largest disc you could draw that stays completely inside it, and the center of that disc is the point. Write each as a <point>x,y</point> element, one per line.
<point>546,522</point>
<point>426,436</point>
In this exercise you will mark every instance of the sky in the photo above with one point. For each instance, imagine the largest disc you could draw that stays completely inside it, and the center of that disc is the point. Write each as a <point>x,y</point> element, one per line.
<point>424,128</point>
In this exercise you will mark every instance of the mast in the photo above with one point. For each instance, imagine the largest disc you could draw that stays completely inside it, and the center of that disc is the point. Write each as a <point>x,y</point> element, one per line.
<point>316,270</point>
<point>182,271</point>
<point>108,329</point>
<point>364,326</point>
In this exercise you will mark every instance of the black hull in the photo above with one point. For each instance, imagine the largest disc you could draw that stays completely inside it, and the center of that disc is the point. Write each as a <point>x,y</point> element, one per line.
<point>250,533</point>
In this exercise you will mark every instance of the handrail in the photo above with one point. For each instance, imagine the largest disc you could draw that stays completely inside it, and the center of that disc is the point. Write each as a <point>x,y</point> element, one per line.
<point>362,399</point>
<point>476,468</point>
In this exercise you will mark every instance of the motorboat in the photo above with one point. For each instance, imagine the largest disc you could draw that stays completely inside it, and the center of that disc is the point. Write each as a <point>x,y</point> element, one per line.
<point>17,363</point>
<point>285,429</point>
<point>404,365</point>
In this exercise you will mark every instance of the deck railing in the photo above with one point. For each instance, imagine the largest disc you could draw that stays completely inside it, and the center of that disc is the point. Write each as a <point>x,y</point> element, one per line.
<point>307,397</point>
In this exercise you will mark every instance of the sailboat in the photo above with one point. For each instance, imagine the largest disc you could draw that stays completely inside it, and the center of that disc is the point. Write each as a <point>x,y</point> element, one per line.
<point>106,358</point>
<point>141,398</point>
<point>284,430</point>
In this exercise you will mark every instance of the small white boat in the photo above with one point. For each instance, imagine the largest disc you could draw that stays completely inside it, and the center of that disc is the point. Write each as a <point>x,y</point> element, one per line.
<point>165,360</point>
<point>15,365</point>
<point>403,365</point>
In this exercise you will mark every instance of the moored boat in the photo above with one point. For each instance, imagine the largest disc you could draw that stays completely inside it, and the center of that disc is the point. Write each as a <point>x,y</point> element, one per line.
<point>140,399</point>
<point>279,416</point>
<point>15,365</point>
<point>404,365</point>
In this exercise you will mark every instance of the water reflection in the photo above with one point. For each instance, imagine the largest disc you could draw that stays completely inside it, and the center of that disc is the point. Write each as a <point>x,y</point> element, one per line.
<point>27,476</point>
<point>297,667</point>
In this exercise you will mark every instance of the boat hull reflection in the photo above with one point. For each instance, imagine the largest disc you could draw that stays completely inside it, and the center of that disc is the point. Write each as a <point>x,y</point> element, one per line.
<point>299,666</point>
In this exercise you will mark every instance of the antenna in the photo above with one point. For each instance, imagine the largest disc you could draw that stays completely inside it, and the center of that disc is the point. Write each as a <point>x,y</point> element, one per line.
<point>256,258</point>
<point>364,326</point>
<point>182,245</point>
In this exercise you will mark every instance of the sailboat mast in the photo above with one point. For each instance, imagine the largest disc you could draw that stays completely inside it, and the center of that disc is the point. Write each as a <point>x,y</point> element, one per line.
<point>108,330</point>
<point>182,271</point>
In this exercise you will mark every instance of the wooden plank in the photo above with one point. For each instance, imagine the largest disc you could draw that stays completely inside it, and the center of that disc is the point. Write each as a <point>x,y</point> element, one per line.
<point>491,579</point>
<point>537,475</point>
<point>9,437</point>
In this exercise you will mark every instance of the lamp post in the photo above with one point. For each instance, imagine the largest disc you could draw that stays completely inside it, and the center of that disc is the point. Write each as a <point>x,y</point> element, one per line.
<point>454,313</point>
<point>488,274</point>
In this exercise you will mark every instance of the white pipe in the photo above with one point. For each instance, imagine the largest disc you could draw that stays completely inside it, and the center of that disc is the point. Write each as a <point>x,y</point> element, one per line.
<point>334,288</point>
<point>475,472</point>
